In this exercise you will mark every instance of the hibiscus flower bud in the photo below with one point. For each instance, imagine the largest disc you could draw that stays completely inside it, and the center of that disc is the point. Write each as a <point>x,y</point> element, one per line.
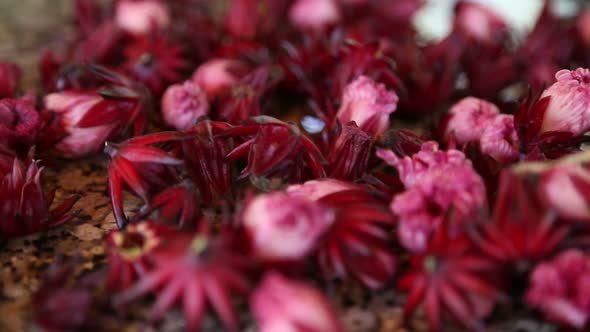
<point>73,107</point>
<point>569,106</point>
<point>560,288</point>
<point>314,14</point>
<point>468,118</point>
<point>500,140</point>
<point>281,305</point>
<point>369,104</point>
<point>479,23</point>
<point>19,124</point>
<point>283,227</point>
<point>217,76</point>
<point>141,16</point>
<point>564,189</point>
<point>10,76</point>
<point>183,104</point>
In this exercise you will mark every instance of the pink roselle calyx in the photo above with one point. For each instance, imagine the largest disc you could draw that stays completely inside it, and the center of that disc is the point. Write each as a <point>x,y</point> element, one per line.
<point>559,288</point>
<point>500,140</point>
<point>565,188</point>
<point>314,14</point>
<point>429,157</point>
<point>140,17</point>
<point>183,104</point>
<point>73,107</point>
<point>369,104</point>
<point>457,193</point>
<point>283,227</point>
<point>316,189</point>
<point>283,305</point>
<point>468,118</point>
<point>479,23</point>
<point>218,75</point>
<point>569,106</point>
<point>439,185</point>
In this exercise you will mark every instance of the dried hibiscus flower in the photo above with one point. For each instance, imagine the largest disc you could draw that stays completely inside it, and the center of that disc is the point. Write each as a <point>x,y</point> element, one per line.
<point>195,271</point>
<point>129,252</point>
<point>451,276</point>
<point>142,168</point>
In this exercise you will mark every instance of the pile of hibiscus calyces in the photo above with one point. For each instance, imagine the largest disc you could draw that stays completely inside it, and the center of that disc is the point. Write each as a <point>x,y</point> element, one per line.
<point>335,145</point>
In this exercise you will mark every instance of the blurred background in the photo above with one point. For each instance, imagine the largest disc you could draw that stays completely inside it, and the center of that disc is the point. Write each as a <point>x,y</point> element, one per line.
<point>28,25</point>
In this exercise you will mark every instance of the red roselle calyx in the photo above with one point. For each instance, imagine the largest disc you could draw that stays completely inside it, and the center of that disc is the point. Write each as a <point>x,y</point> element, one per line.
<point>196,271</point>
<point>19,124</point>
<point>205,160</point>
<point>85,120</point>
<point>451,276</point>
<point>349,155</point>
<point>522,230</point>
<point>155,61</point>
<point>142,168</point>
<point>25,206</point>
<point>275,149</point>
<point>358,244</point>
<point>10,77</point>
<point>128,253</point>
